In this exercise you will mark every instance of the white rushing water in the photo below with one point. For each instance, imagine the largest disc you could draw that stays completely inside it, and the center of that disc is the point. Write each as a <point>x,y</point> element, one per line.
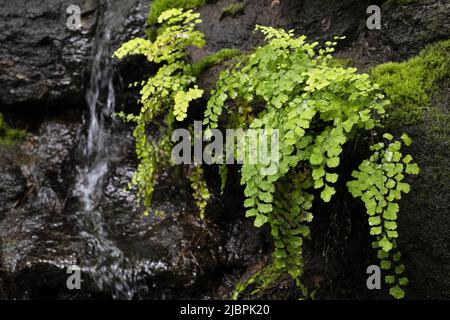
<point>104,262</point>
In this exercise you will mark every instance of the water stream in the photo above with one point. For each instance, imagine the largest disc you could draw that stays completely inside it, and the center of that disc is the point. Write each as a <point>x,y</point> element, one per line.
<point>104,261</point>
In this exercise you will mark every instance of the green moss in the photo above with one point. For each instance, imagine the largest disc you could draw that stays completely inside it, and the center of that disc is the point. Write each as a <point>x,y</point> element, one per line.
<point>9,136</point>
<point>213,59</point>
<point>233,9</point>
<point>410,84</point>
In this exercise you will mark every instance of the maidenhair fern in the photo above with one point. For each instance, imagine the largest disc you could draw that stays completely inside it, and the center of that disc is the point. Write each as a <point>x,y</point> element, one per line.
<point>167,93</point>
<point>379,183</point>
<point>290,87</point>
<point>316,108</point>
<point>289,223</point>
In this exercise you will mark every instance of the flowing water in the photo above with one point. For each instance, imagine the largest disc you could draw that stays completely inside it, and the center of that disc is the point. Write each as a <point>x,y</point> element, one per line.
<point>104,261</point>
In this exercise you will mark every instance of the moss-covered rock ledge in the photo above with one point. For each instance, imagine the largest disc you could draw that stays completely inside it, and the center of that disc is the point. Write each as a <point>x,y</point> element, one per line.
<point>419,90</point>
<point>410,85</point>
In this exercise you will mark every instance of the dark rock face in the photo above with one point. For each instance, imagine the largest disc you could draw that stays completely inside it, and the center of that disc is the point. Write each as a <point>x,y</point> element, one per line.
<point>41,59</point>
<point>173,254</point>
<point>12,185</point>
<point>425,212</point>
<point>405,30</point>
<point>318,20</point>
<point>32,230</point>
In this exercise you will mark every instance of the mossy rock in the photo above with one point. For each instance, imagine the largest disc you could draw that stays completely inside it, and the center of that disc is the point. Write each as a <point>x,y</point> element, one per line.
<point>419,91</point>
<point>409,85</point>
<point>425,213</point>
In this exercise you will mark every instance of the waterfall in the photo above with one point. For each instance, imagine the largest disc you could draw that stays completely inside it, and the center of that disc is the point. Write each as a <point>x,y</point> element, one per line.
<point>102,260</point>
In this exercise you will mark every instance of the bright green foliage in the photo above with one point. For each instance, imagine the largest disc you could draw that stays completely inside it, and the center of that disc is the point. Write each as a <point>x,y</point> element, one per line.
<point>316,108</point>
<point>289,223</point>
<point>379,183</point>
<point>182,100</point>
<point>214,59</point>
<point>200,189</point>
<point>159,6</point>
<point>409,84</point>
<point>9,136</point>
<point>167,93</point>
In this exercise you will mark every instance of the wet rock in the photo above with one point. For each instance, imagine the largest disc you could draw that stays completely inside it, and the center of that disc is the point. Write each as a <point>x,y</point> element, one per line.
<point>245,244</point>
<point>35,233</point>
<point>41,59</point>
<point>12,184</point>
<point>46,158</point>
<point>170,255</point>
<point>172,249</point>
<point>43,62</point>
